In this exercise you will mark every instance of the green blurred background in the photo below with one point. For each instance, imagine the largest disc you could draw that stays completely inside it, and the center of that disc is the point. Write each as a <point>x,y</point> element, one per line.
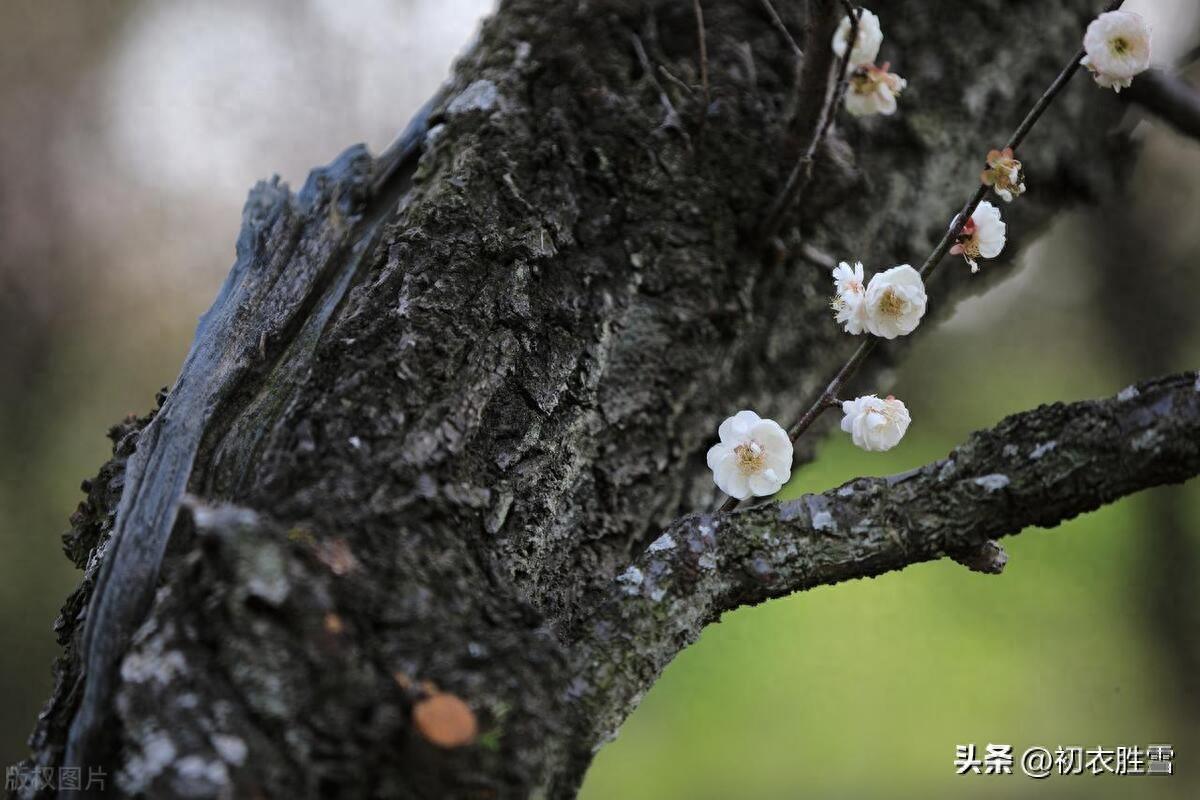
<point>131,132</point>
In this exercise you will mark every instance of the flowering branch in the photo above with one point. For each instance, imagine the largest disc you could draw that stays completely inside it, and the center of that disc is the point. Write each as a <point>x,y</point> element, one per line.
<point>826,399</point>
<point>1039,467</point>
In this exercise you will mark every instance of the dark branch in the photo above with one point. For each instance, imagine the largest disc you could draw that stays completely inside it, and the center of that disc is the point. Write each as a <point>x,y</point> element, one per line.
<point>782,28</point>
<point>988,558</point>
<point>702,46</point>
<point>817,92</point>
<point>1037,468</point>
<point>1168,97</point>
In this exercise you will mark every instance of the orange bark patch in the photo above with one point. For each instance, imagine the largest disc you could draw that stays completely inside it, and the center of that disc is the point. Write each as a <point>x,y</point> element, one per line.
<point>445,720</point>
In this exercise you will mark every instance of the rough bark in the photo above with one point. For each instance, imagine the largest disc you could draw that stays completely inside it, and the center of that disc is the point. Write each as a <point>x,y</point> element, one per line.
<point>448,394</point>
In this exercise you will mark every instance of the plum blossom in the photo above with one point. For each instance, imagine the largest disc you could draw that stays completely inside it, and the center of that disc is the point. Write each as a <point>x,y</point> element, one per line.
<point>866,43</point>
<point>1004,174</point>
<point>1117,46</point>
<point>849,296</point>
<point>873,90</point>
<point>895,302</point>
<point>875,425</point>
<point>754,456</point>
<point>982,236</point>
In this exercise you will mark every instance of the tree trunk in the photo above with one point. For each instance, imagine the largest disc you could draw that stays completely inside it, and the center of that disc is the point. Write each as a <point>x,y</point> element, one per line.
<point>448,395</point>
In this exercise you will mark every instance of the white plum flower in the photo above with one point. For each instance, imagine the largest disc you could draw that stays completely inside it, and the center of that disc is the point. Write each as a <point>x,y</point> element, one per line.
<point>875,425</point>
<point>895,302</point>
<point>849,297</point>
<point>1117,46</point>
<point>866,43</point>
<point>1004,174</point>
<point>873,90</point>
<point>754,456</point>
<point>982,236</point>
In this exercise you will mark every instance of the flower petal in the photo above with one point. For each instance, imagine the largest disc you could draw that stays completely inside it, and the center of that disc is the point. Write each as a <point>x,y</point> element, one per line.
<point>718,453</point>
<point>737,427</point>
<point>770,435</point>
<point>737,486</point>
<point>762,485</point>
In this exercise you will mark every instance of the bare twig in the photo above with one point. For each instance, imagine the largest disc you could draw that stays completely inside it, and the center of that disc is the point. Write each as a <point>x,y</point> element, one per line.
<point>675,79</point>
<point>843,80</point>
<point>779,26</point>
<point>839,92</point>
<point>816,106</point>
<point>825,399</point>
<point>703,56</point>
<point>673,120</point>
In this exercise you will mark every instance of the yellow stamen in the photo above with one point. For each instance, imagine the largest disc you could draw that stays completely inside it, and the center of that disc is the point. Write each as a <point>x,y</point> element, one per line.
<point>750,458</point>
<point>890,304</point>
<point>970,246</point>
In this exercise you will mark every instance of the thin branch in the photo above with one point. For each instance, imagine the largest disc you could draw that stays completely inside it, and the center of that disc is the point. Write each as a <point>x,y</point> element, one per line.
<point>673,120</point>
<point>779,26</point>
<point>843,80</point>
<point>675,79</point>
<point>703,57</point>
<point>1168,97</point>
<point>847,371</point>
<point>816,106</point>
<point>1036,468</point>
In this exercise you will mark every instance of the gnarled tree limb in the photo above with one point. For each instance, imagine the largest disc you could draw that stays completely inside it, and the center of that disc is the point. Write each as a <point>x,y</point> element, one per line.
<point>1037,468</point>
